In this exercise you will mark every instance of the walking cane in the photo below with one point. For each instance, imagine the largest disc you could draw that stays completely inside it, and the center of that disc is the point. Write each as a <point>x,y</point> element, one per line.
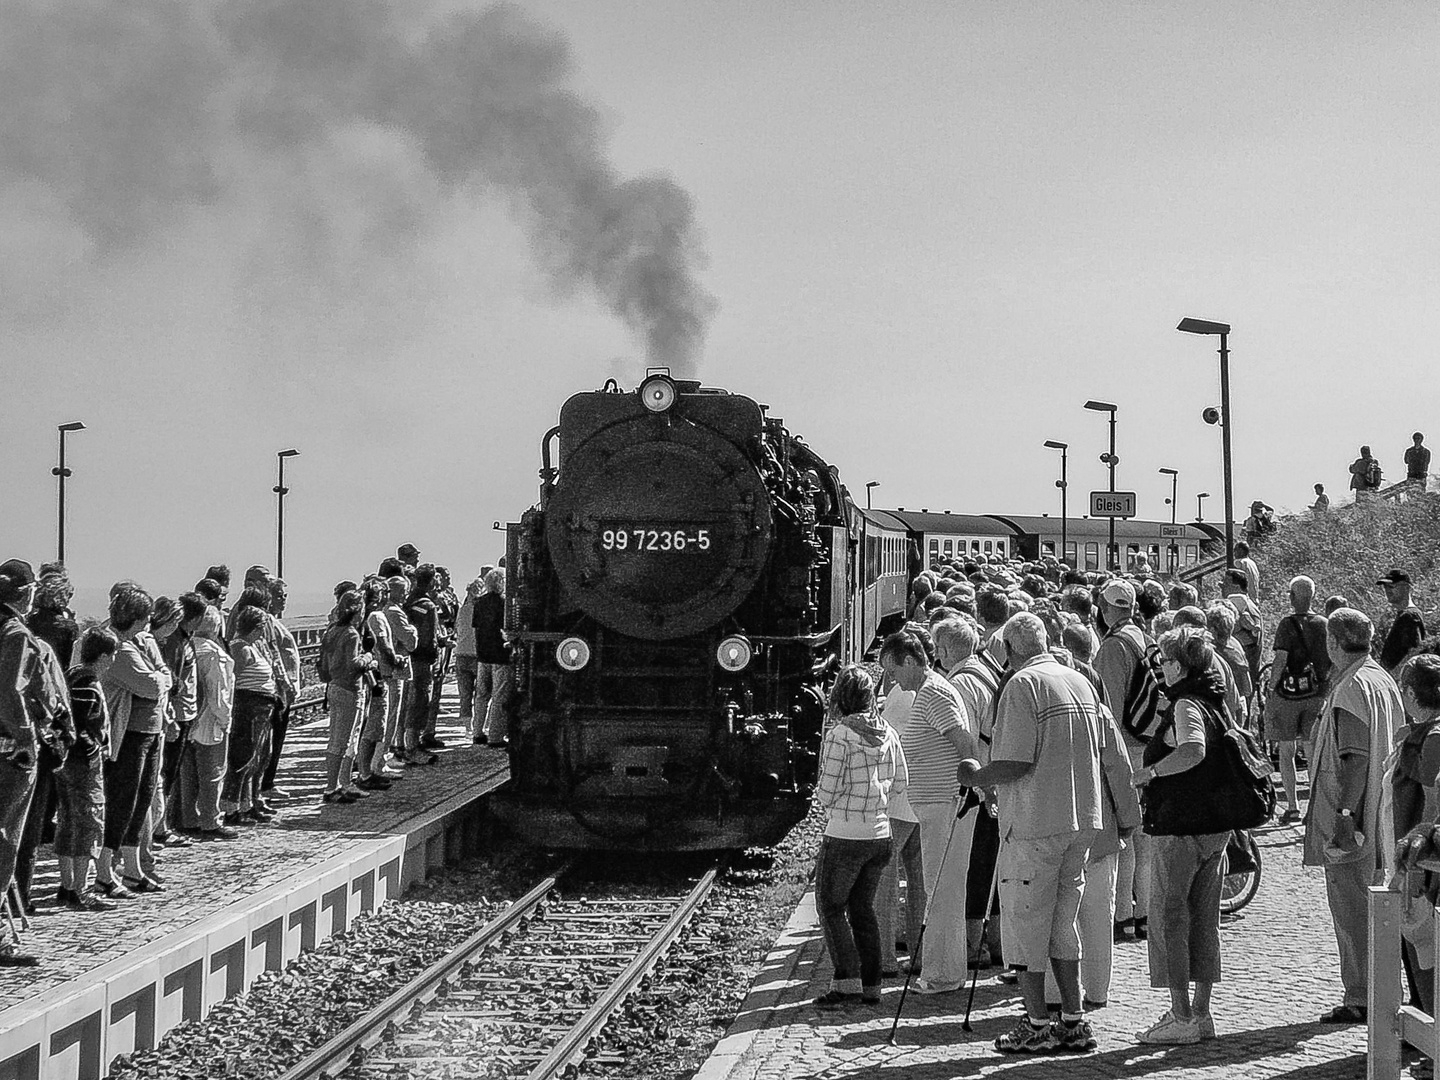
<point>10,915</point>
<point>920,938</point>
<point>14,897</point>
<point>984,926</point>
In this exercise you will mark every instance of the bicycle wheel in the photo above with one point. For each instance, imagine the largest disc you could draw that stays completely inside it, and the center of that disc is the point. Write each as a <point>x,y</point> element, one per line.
<point>1237,890</point>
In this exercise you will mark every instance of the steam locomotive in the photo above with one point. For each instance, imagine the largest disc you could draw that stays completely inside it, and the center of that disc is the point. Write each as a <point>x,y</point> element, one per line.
<point>691,578</point>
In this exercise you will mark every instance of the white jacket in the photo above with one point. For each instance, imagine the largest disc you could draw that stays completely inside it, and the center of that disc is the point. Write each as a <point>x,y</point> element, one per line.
<point>215,672</point>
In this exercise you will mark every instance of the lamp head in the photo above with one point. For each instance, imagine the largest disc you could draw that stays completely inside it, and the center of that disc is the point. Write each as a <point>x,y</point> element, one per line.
<point>1170,472</point>
<point>1203,495</point>
<point>872,483</point>
<point>1100,406</point>
<point>1053,445</point>
<point>74,425</point>
<point>287,453</point>
<point>1202,326</point>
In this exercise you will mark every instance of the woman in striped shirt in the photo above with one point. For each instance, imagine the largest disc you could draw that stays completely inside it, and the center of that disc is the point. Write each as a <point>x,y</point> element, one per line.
<point>861,769</point>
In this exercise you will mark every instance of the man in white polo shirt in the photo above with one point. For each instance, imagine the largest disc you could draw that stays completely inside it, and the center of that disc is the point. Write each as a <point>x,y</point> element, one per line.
<point>938,736</point>
<point>1045,766</point>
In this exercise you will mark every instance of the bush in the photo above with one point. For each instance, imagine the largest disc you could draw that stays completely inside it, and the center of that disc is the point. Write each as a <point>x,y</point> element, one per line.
<point>1346,550</point>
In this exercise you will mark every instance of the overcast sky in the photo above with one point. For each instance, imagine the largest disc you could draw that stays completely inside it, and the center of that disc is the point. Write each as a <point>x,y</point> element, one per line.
<point>930,232</point>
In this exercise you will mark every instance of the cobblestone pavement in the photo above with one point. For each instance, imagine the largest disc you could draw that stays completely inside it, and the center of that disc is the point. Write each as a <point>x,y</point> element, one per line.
<point>1280,973</point>
<point>205,877</point>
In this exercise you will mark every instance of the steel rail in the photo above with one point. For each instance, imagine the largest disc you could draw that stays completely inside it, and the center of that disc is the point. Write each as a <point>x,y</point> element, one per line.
<point>571,1049</point>
<point>333,1057</point>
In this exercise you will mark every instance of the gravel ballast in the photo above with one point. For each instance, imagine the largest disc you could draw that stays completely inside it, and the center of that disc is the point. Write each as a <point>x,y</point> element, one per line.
<point>665,1031</point>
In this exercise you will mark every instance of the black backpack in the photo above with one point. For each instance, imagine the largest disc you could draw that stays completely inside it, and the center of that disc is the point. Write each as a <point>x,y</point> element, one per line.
<point>1140,713</point>
<point>1305,682</point>
<point>1230,789</point>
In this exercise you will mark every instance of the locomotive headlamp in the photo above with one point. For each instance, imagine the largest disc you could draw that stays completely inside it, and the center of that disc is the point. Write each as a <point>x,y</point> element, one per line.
<point>735,653</point>
<point>658,393</point>
<point>572,654</point>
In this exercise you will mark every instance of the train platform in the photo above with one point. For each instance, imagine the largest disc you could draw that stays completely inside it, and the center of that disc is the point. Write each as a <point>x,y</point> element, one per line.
<point>1281,971</point>
<point>112,982</point>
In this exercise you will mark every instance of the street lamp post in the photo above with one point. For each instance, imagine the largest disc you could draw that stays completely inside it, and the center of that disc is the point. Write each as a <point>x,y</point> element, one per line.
<point>870,484</point>
<point>1200,505</point>
<point>1202,326</point>
<point>1064,485</point>
<point>1174,475</point>
<point>280,492</point>
<point>1112,558</point>
<point>62,472</point>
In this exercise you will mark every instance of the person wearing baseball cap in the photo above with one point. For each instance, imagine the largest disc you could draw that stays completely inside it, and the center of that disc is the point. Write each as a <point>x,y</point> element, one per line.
<point>408,554</point>
<point>1408,629</point>
<point>21,674</point>
<point>1122,650</point>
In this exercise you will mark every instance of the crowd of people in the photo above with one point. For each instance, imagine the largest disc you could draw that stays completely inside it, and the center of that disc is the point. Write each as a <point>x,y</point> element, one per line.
<point>1030,759</point>
<point>165,723</point>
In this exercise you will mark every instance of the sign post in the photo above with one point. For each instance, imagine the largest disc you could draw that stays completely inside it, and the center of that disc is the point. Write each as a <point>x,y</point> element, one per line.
<point>1112,504</point>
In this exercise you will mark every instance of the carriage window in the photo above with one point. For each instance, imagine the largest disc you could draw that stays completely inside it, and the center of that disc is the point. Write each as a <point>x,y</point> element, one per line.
<point>1047,547</point>
<point>988,547</point>
<point>1071,553</point>
<point>1000,547</point>
<point>975,546</point>
<point>1092,556</point>
<point>949,547</point>
<point>1155,556</point>
<point>1132,555</point>
<point>1192,553</point>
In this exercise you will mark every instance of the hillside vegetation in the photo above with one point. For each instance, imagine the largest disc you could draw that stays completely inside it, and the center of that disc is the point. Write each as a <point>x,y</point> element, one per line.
<point>1347,549</point>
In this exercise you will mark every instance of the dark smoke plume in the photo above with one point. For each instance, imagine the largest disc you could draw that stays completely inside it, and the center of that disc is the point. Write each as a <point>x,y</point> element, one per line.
<point>338,124</point>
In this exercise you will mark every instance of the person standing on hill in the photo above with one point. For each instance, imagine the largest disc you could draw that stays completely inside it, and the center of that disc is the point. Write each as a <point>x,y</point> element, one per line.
<point>1322,501</point>
<point>1408,629</point>
<point>1243,561</point>
<point>1365,474</point>
<point>1417,461</point>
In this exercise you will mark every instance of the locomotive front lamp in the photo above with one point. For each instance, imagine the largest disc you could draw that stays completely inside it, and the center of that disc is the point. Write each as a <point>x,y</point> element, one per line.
<point>735,653</point>
<point>572,654</point>
<point>658,392</point>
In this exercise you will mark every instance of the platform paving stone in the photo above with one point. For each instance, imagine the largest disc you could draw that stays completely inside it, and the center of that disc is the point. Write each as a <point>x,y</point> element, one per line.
<point>203,878</point>
<point>1280,967</point>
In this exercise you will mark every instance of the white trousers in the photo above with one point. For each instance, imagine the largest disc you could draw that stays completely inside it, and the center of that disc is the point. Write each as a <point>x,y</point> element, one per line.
<point>945,948</point>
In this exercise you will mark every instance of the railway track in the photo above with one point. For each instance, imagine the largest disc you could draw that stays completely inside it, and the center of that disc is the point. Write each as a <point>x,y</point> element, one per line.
<point>527,995</point>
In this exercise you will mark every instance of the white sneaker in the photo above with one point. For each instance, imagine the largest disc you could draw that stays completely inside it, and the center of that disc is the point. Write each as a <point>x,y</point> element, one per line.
<point>1170,1030</point>
<point>1206,1023</point>
<point>923,985</point>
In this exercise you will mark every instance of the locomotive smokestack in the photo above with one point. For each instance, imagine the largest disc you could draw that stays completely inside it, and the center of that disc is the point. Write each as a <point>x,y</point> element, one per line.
<point>332,134</point>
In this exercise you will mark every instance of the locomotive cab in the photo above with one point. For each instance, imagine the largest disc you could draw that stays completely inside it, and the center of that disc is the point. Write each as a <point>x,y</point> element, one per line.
<point>675,602</point>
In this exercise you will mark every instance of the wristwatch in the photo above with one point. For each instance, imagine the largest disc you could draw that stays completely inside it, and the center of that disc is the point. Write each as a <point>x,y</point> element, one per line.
<point>1346,812</point>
